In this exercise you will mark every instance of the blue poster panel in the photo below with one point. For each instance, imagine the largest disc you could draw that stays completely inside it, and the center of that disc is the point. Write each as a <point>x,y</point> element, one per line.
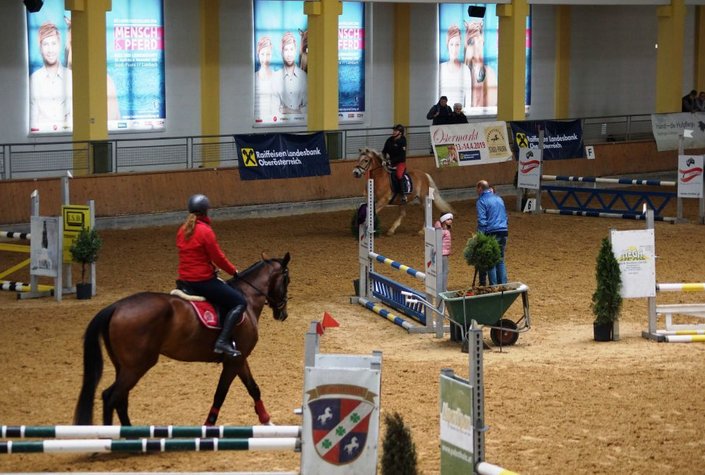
<point>281,62</point>
<point>562,139</point>
<point>267,156</point>
<point>135,67</point>
<point>468,56</point>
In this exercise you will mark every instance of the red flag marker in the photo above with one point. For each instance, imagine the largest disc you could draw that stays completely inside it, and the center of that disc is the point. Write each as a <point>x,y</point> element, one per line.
<point>328,321</point>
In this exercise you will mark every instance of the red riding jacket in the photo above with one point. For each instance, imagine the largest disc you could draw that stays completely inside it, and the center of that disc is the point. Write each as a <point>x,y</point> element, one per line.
<point>200,256</point>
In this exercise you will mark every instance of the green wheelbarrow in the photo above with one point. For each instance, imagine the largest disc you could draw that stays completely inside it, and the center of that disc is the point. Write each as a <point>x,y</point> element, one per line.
<point>487,309</point>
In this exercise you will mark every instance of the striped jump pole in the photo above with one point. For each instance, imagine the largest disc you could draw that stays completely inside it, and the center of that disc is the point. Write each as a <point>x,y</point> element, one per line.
<point>681,287</point>
<point>620,181</point>
<point>684,338</point>
<point>486,468</point>
<point>168,432</point>
<point>12,286</point>
<point>15,235</point>
<point>398,265</point>
<point>150,445</point>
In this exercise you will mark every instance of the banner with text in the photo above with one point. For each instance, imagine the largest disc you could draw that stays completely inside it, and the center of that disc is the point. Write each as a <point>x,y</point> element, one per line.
<point>268,156</point>
<point>529,169</point>
<point>635,252</point>
<point>561,139</point>
<point>690,176</point>
<point>668,129</point>
<point>470,144</point>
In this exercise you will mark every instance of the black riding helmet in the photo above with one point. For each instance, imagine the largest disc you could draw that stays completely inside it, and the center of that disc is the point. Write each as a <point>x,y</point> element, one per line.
<point>198,204</point>
<point>400,128</point>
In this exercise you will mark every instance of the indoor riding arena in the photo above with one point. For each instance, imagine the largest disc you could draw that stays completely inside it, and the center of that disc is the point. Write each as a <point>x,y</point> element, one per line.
<point>556,402</point>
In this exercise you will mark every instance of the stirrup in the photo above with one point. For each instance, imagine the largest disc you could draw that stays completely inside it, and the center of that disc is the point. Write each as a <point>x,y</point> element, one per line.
<point>227,348</point>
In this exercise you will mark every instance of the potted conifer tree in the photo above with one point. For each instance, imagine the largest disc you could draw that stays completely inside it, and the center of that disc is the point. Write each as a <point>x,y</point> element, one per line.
<point>482,252</point>
<point>606,300</point>
<point>84,250</point>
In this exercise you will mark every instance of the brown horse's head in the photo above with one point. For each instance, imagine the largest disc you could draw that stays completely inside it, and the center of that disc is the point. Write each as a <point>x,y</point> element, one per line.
<point>277,292</point>
<point>365,159</point>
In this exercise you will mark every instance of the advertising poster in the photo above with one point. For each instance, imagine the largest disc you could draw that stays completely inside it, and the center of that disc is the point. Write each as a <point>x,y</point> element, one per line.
<point>670,129</point>
<point>635,252</point>
<point>281,62</point>
<point>690,176</point>
<point>561,139</point>
<point>529,169</point>
<point>456,426</point>
<point>135,67</point>
<point>467,54</point>
<point>470,144</point>
<point>267,156</point>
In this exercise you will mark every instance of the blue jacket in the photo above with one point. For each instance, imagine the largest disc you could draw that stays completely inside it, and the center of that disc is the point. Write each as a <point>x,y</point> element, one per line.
<point>491,214</point>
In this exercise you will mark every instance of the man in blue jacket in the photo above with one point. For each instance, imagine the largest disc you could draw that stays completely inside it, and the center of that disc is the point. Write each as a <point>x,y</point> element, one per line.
<point>492,220</point>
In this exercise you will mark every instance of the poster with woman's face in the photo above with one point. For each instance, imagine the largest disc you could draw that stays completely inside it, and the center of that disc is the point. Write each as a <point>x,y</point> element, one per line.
<point>134,75</point>
<point>281,63</point>
<point>468,52</point>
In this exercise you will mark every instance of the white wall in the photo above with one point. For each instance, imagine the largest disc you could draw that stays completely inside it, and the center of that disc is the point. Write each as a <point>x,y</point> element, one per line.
<point>613,65</point>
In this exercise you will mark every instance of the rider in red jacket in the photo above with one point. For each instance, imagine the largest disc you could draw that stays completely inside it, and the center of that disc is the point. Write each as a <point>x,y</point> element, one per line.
<point>200,257</point>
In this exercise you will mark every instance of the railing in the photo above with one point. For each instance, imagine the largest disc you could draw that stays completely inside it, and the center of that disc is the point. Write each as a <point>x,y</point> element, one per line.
<point>124,155</point>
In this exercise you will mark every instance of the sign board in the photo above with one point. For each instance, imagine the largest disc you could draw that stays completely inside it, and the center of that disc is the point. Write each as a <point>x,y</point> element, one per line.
<point>635,251</point>
<point>76,217</point>
<point>456,425</point>
<point>529,168</point>
<point>690,176</point>
<point>45,246</point>
<point>590,152</point>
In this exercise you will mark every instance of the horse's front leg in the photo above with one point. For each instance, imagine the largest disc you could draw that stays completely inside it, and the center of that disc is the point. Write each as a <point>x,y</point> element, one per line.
<point>230,370</point>
<point>254,392</point>
<point>402,213</point>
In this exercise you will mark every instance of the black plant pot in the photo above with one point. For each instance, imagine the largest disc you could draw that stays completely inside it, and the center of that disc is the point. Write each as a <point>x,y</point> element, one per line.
<point>84,291</point>
<point>602,331</point>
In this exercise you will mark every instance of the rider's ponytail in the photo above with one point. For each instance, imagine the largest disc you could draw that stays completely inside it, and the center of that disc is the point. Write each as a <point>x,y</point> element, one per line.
<point>189,225</point>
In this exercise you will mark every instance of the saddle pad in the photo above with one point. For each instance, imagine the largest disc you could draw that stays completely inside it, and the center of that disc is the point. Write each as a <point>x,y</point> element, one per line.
<point>206,313</point>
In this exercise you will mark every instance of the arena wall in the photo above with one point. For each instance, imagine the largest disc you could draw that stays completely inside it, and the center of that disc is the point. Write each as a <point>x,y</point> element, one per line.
<point>131,194</point>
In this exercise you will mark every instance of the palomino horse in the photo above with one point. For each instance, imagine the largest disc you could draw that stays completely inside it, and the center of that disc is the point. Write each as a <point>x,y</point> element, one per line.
<point>139,328</point>
<point>375,166</point>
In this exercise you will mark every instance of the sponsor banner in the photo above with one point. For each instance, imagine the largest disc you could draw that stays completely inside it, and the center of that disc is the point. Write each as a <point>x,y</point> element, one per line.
<point>635,252</point>
<point>135,67</point>
<point>281,62</point>
<point>45,253</point>
<point>470,144</point>
<point>529,169</point>
<point>267,156</point>
<point>456,425</point>
<point>690,176</point>
<point>561,139</point>
<point>468,56</point>
<point>669,128</point>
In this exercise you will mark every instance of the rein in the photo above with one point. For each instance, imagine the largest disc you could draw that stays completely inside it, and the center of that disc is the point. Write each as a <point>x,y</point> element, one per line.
<point>266,296</point>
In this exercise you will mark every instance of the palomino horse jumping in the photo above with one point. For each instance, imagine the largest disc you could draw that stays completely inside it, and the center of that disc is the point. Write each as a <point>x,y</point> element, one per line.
<point>372,163</point>
<point>139,328</point>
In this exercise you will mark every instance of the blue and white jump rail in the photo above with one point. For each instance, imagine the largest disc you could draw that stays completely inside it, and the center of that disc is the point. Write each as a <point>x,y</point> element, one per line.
<point>332,441</point>
<point>376,289</point>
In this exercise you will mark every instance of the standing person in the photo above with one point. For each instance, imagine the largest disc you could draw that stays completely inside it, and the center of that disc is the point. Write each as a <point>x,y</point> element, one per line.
<point>395,147</point>
<point>291,80</point>
<point>264,86</point>
<point>688,102</point>
<point>445,223</point>
<point>457,116</point>
<point>492,221</point>
<point>454,74</point>
<point>50,93</point>
<point>200,257</point>
<point>440,112</point>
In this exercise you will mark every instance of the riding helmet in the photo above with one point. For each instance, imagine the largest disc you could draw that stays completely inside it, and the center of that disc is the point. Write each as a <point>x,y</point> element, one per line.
<point>400,128</point>
<point>198,204</point>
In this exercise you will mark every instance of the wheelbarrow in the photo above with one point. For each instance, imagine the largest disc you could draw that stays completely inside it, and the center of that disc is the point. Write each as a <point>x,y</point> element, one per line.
<point>487,309</point>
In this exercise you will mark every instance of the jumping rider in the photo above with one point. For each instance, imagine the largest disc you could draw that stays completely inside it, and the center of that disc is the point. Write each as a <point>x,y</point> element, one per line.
<point>395,148</point>
<point>200,257</point>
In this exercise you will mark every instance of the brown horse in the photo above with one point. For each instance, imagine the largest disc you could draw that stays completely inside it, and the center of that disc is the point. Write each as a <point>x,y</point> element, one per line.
<point>372,164</point>
<point>138,328</point>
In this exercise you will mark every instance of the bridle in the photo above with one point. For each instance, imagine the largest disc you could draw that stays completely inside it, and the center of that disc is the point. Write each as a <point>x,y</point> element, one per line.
<point>274,306</point>
<point>367,163</point>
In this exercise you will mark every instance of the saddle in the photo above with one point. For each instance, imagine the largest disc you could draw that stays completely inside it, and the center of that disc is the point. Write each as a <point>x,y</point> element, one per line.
<point>208,314</point>
<point>405,187</point>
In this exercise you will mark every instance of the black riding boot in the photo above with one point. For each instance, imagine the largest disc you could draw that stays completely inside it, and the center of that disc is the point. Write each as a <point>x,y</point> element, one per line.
<point>225,343</point>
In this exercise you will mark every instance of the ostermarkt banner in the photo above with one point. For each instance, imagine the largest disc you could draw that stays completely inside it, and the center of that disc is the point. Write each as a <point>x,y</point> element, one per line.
<point>478,143</point>
<point>268,156</point>
<point>669,128</point>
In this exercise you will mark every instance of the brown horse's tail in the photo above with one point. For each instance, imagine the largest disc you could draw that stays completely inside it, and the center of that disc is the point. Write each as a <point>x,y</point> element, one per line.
<point>438,200</point>
<point>92,365</point>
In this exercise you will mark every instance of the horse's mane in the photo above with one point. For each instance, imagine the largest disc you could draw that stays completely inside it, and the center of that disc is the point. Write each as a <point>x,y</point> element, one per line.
<point>253,268</point>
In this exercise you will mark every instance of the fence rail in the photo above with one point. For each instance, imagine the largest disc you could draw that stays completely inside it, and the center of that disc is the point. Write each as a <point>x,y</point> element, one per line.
<point>123,155</point>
